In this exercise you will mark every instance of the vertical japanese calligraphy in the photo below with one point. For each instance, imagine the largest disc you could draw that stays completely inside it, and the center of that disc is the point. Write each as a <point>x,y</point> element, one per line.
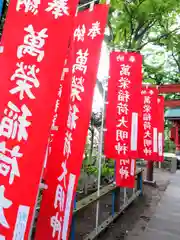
<point>125,173</point>
<point>63,173</point>
<point>148,140</point>
<point>31,65</point>
<point>160,127</point>
<point>124,94</point>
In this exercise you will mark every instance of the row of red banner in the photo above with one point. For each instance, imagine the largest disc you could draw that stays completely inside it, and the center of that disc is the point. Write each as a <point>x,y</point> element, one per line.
<point>47,87</point>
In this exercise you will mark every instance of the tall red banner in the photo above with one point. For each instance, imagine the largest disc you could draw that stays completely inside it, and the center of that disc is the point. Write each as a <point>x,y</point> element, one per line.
<point>124,97</point>
<point>63,172</point>
<point>148,140</point>
<point>125,173</point>
<point>160,126</point>
<point>31,65</point>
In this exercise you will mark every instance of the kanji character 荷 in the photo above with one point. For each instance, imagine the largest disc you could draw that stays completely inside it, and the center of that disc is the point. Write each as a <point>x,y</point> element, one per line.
<point>28,5</point>
<point>77,88</point>
<point>95,30</point>
<point>79,33</point>
<point>59,8</point>
<point>67,144</point>
<point>59,198</point>
<point>124,172</point>
<point>121,148</point>
<point>147,125</point>
<point>4,204</point>
<point>123,96</point>
<point>122,108</point>
<point>125,70</point>
<point>33,43</point>
<point>14,124</point>
<point>26,79</point>
<point>81,61</point>
<point>72,118</point>
<point>8,161</point>
<point>122,122</point>
<point>63,174</point>
<point>56,225</point>
<point>124,83</point>
<point>121,135</point>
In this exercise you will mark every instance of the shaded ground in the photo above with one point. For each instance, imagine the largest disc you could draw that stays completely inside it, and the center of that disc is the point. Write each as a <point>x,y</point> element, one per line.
<point>134,220</point>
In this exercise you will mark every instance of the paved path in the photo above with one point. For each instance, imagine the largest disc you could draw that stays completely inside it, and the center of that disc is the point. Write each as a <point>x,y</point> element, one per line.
<point>165,224</point>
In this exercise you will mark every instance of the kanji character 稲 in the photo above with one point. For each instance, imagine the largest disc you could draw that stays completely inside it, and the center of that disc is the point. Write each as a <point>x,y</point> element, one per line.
<point>63,174</point>
<point>147,151</point>
<point>147,125</point>
<point>147,100</point>
<point>72,118</point>
<point>132,59</point>
<point>124,172</point>
<point>59,198</point>
<point>124,161</point>
<point>147,142</point>
<point>122,122</point>
<point>4,204</point>
<point>123,96</point>
<point>95,30</point>
<point>147,134</point>
<point>28,5</point>
<point>79,33</point>
<point>146,108</point>
<point>67,144</point>
<point>14,124</point>
<point>33,43</point>
<point>77,88</point>
<point>124,83</point>
<point>147,117</point>
<point>121,148</point>
<point>56,225</point>
<point>121,135</point>
<point>125,70</point>
<point>8,161</point>
<point>122,108</point>
<point>58,8</point>
<point>57,105</point>
<point>120,58</point>
<point>81,61</point>
<point>26,79</point>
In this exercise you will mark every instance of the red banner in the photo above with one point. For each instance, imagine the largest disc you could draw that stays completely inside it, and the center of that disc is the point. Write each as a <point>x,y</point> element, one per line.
<point>160,123</point>
<point>54,220</point>
<point>31,65</point>
<point>148,140</point>
<point>125,173</point>
<point>124,97</point>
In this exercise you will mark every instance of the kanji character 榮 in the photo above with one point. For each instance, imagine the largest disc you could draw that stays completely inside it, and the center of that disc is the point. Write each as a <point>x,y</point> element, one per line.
<point>33,43</point>
<point>124,83</point>
<point>13,124</point>
<point>77,88</point>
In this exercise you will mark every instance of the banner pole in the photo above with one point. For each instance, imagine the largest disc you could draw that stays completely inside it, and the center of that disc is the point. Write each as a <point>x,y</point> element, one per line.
<point>100,157</point>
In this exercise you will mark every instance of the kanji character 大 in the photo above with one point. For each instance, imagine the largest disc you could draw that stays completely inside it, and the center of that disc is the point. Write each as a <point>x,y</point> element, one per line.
<point>63,174</point>
<point>125,70</point>
<point>59,198</point>
<point>26,79</point>
<point>33,43</point>
<point>77,88</point>
<point>56,225</point>
<point>95,30</point>
<point>58,8</point>
<point>79,33</point>
<point>72,118</point>
<point>28,5</point>
<point>81,61</point>
<point>8,161</point>
<point>13,124</point>
<point>4,204</point>
<point>147,134</point>
<point>122,122</point>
